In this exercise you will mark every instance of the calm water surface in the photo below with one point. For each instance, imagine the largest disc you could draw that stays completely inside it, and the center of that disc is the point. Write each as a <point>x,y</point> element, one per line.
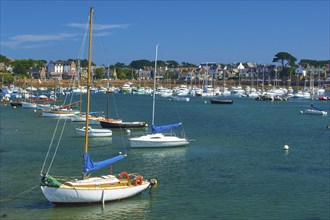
<point>235,168</point>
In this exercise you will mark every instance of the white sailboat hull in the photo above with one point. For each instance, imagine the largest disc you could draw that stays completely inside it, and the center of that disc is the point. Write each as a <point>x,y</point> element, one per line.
<point>315,112</point>
<point>83,194</point>
<point>29,105</point>
<point>92,132</point>
<point>157,140</point>
<point>62,115</point>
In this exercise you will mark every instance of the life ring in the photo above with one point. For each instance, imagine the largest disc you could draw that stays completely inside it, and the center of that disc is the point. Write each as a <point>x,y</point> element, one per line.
<point>124,174</point>
<point>138,180</point>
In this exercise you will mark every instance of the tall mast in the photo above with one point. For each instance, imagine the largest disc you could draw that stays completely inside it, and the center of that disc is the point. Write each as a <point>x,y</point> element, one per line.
<point>88,77</point>
<point>153,99</point>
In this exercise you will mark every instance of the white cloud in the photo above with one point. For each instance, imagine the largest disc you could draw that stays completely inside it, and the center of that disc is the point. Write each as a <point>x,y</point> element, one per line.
<point>31,39</point>
<point>99,27</point>
<point>25,41</point>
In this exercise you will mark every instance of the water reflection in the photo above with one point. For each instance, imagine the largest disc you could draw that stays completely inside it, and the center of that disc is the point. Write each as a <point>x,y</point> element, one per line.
<point>162,157</point>
<point>134,208</point>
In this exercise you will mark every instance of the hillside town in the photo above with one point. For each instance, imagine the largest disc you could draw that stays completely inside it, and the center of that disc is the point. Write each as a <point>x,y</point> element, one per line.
<point>237,73</point>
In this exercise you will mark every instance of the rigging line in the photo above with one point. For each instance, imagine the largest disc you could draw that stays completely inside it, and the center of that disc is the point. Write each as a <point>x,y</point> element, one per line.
<point>52,140</point>
<point>64,101</point>
<point>57,146</point>
<point>50,146</point>
<point>83,42</point>
<point>105,55</point>
<point>8,199</point>
<point>115,105</point>
<point>177,111</point>
<point>121,129</point>
<point>93,103</point>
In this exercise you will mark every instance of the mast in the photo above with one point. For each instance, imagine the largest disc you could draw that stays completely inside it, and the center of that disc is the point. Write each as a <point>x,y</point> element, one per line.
<point>88,77</point>
<point>311,84</point>
<point>153,99</point>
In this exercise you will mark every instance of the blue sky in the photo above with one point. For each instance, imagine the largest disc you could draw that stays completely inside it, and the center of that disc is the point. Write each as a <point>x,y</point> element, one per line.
<point>186,31</point>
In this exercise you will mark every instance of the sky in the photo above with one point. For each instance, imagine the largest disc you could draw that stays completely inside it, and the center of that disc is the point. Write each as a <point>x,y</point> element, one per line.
<point>186,31</point>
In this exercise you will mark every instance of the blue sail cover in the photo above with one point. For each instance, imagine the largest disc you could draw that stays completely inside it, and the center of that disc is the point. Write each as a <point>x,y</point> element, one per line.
<point>158,129</point>
<point>4,91</point>
<point>316,108</point>
<point>90,165</point>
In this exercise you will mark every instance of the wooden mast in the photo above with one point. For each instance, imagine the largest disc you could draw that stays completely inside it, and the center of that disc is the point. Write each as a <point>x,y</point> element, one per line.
<point>88,78</point>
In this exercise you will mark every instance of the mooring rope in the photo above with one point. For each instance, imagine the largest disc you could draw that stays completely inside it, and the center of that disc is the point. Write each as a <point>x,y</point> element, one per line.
<point>8,199</point>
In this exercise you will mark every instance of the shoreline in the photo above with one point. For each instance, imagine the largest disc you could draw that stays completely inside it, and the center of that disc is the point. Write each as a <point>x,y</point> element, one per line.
<point>50,83</point>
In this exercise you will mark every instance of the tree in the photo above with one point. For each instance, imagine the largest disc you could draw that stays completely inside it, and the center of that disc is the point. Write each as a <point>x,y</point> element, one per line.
<point>185,64</point>
<point>160,63</point>
<point>172,63</point>
<point>170,75</point>
<point>140,64</point>
<point>99,73</point>
<point>7,78</point>
<point>284,56</point>
<point>120,73</point>
<point>84,63</point>
<point>314,63</point>
<point>120,65</point>
<point>22,67</point>
<point>5,60</point>
<point>287,61</point>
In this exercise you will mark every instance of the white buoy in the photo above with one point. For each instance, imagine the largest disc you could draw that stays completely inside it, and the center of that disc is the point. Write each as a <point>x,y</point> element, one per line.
<point>205,102</point>
<point>286,147</point>
<point>128,131</point>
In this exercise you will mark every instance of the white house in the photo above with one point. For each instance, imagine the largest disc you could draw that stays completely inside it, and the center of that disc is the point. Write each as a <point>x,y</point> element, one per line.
<point>59,68</point>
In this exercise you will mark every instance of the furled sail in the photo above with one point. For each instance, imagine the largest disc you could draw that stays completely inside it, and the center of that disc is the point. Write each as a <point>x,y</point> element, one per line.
<point>158,129</point>
<point>316,108</point>
<point>90,165</point>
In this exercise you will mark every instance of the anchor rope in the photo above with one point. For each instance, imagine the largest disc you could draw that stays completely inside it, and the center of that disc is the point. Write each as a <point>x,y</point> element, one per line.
<point>8,199</point>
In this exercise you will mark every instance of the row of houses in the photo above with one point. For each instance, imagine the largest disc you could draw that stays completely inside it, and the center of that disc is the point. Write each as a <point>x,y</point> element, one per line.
<point>209,70</point>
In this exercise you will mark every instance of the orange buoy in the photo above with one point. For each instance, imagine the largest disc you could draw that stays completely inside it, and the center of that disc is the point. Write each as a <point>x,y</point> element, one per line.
<point>124,174</point>
<point>138,180</point>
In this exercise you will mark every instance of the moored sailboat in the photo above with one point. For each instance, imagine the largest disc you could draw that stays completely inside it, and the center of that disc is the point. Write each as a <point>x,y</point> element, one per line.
<point>94,132</point>
<point>313,110</point>
<point>224,89</point>
<point>157,138</point>
<point>92,189</point>
<point>119,123</point>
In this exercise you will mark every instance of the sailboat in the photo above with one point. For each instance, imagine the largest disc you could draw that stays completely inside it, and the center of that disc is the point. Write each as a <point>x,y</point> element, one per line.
<point>156,138</point>
<point>222,101</point>
<point>92,189</point>
<point>94,117</point>
<point>119,123</point>
<point>94,132</point>
<point>313,110</point>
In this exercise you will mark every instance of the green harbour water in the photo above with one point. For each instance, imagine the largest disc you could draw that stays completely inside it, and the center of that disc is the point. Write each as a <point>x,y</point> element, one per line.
<point>234,168</point>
